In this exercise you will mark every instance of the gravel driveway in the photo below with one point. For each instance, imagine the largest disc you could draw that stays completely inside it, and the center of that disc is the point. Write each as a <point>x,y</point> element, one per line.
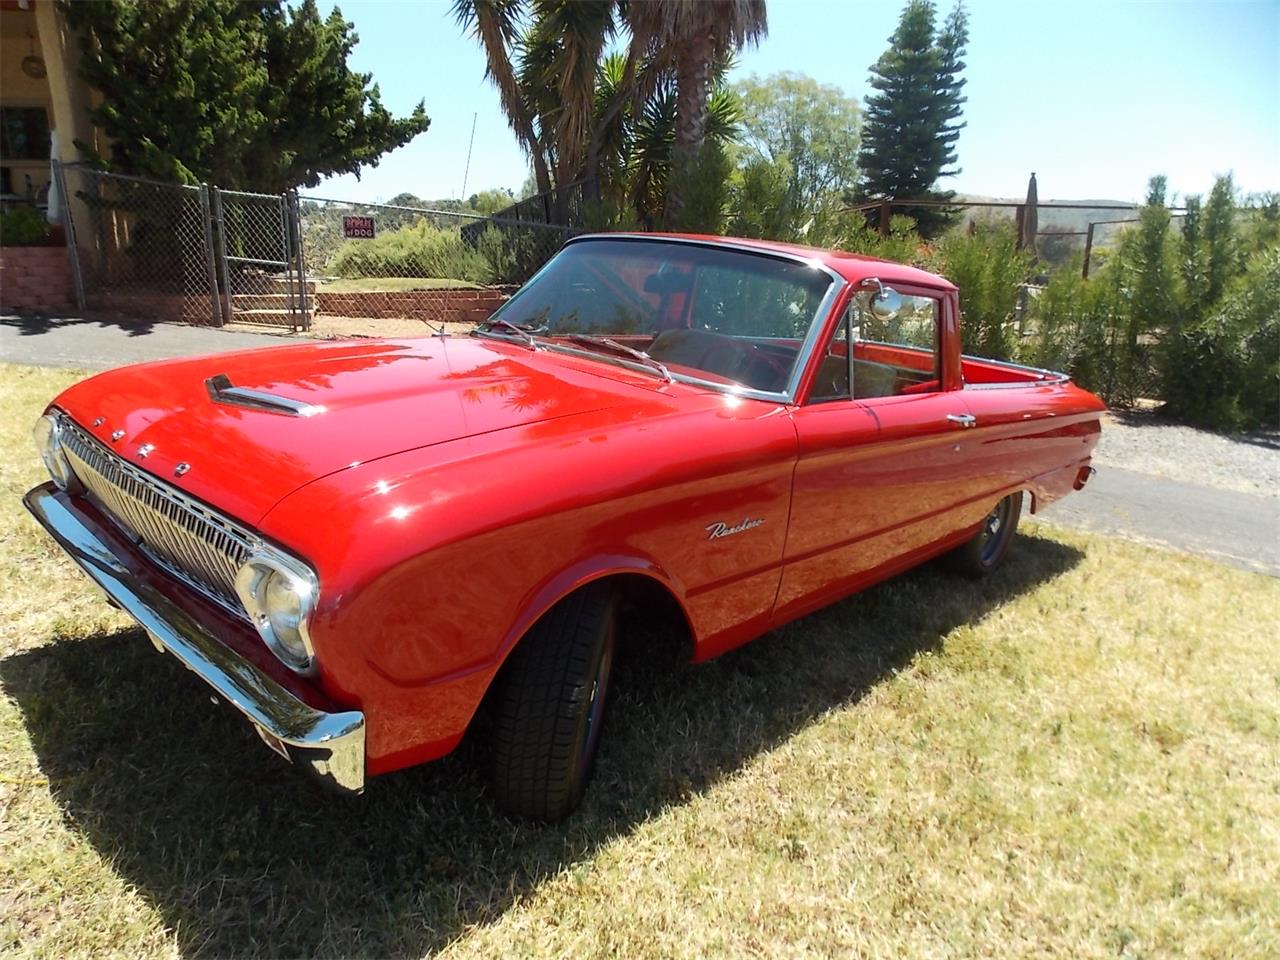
<point>1142,442</point>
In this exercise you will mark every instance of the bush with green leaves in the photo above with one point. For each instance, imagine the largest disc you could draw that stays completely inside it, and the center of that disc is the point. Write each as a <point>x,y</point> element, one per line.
<point>902,245</point>
<point>420,250</point>
<point>1190,316</point>
<point>515,253</point>
<point>22,227</point>
<point>989,269</point>
<point>1223,372</point>
<point>1077,326</point>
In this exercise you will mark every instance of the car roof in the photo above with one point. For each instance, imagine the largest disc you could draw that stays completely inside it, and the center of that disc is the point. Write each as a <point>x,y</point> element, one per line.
<point>853,267</point>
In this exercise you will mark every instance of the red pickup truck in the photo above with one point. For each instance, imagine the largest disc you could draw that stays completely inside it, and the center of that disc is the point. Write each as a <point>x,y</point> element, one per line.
<point>362,545</point>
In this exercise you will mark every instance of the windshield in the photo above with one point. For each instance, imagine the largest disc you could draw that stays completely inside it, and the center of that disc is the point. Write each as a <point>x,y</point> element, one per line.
<point>708,312</point>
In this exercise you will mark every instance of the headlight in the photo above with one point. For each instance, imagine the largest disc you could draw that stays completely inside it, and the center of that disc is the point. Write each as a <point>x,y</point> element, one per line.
<point>48,437</point>
<point>279,593</point>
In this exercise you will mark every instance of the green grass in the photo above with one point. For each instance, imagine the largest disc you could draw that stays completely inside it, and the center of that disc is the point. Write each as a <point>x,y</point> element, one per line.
<point>1079,757</point>
<point>385,284</point>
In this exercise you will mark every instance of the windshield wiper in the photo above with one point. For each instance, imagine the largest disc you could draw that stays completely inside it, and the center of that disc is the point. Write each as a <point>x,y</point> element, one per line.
<point>520,331</point>
<point>613,345</point>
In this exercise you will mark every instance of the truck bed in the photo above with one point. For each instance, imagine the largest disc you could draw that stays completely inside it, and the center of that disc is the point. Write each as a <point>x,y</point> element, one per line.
<point>982,372</point>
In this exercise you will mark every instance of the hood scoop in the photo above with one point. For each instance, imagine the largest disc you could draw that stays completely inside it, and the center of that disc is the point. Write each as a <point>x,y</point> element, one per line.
<point>221,391</point>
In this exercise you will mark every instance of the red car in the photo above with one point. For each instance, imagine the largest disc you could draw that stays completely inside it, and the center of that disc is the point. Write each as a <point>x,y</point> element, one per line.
<point>360,544</point>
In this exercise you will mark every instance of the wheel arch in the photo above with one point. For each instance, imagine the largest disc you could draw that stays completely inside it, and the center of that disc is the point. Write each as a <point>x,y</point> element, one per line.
<point>637,579</point>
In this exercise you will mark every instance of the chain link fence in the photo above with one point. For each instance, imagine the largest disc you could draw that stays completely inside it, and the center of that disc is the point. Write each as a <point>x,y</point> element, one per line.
<point>370,263</point>
<point>204,255</point>
<point>143,248</point>
<point>263,276</point>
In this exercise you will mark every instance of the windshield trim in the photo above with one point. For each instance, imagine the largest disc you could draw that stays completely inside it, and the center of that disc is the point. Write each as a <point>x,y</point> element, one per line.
<point>786,396</point>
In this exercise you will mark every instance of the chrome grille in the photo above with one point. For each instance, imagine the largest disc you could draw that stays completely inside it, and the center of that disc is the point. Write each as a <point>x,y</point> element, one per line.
<point>186,538</point>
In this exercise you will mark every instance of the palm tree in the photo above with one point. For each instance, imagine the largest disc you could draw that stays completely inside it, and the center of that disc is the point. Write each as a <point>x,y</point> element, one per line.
<point>572,107</point>
<point>496,25</point>
<point>692,37</point>
<point>544,61</point>
<point>636,145</point>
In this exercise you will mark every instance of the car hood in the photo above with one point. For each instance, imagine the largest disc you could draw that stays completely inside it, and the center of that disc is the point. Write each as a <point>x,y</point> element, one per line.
<point>378,398</point>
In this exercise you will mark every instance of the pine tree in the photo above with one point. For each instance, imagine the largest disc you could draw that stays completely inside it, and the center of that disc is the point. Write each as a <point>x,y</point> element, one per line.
<point>247,94</point>
<point>913,119</point>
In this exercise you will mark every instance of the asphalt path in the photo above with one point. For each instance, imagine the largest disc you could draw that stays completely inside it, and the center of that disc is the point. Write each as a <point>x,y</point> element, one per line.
<point>101,344</point>
<point>1239,529</point>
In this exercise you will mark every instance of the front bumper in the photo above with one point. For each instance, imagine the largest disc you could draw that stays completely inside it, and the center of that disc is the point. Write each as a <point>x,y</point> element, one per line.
<point>329,745</point>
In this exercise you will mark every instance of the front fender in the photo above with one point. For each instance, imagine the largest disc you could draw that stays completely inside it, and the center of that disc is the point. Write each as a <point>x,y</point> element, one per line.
<point>433,563</point>
<point>589,570</point>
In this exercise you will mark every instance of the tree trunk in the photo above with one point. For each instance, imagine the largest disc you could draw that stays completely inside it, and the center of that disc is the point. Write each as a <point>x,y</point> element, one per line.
<point>693,85</point>
<point>540,175</point>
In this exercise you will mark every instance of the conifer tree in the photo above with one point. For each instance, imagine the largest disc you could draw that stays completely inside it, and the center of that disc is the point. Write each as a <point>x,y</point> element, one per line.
<point>913,117</point>
<point>247,94</point>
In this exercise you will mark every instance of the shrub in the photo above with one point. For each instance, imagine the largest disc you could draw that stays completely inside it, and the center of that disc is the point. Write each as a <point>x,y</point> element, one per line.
<point>514,253</point>
<point>902,245</point>
<point>989,269</point>
<point>420,250</point>
<point>1224,372</point>
<point>23,227</point>
<point>1077,326</point>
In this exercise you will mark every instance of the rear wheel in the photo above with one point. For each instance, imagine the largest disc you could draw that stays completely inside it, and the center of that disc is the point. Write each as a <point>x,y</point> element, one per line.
<point>985,550</point>
<point>550,706</point>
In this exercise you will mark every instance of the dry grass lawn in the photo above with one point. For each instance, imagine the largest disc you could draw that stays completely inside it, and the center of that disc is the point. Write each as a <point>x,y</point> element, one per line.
<point>1079,757</point>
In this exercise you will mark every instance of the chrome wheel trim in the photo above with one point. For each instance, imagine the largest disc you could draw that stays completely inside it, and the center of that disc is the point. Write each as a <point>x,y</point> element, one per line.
<point>595,704</point>
<point>995,530</point>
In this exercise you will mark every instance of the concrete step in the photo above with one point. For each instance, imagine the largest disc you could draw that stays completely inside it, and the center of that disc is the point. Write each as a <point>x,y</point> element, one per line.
<point>263,301</point>
<point>274,318</point>
<point>277,282</point>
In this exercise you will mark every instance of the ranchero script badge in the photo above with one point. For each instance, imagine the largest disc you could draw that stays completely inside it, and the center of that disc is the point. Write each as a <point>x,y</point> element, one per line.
<point>721,529</point>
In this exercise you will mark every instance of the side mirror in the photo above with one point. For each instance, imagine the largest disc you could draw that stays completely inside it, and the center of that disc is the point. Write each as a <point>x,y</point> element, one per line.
<point>886,302</point>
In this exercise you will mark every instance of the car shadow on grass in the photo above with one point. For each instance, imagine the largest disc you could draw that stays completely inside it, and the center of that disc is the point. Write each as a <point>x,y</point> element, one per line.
<point>243,856</point>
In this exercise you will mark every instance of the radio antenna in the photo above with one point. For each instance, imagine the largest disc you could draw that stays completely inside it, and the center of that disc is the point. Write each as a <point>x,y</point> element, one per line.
<point>467,170</point>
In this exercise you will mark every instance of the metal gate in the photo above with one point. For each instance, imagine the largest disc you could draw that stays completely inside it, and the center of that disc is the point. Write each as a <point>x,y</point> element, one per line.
<point>259,244</point>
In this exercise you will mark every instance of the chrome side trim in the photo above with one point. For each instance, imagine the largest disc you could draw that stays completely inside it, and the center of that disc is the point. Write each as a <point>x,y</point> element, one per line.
<point>330,745</point>
<point>221,391</point>
<point>807,345</point>
<point>1049,376</point>
<point>1015,385</point>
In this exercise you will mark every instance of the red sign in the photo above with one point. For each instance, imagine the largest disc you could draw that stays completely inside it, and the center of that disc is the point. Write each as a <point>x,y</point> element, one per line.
<point>359,228</point>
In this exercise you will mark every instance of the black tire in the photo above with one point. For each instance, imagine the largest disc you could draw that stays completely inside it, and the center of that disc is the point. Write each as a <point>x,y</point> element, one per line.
<point>986,549</point>
<point>550,706</point>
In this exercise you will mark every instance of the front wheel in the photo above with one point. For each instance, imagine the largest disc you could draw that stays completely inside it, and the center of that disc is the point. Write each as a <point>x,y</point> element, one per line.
<point>985,550</point>
<point>550,706</point>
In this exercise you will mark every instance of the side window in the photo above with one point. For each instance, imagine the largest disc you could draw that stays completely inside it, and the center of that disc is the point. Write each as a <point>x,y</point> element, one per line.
<point>898,356</point>
<point>894,357</point>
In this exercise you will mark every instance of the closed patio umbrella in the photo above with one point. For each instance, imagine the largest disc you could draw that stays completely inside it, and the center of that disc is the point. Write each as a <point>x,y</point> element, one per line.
<point>1030,219</point>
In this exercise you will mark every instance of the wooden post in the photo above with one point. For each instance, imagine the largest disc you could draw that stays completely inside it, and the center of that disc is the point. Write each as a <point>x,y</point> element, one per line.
<point>1020,222</point>
<point>884,218</point>
<point>1088,249</point>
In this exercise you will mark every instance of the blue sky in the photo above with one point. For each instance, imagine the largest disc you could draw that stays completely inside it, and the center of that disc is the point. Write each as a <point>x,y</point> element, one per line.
<point>1093,95</point>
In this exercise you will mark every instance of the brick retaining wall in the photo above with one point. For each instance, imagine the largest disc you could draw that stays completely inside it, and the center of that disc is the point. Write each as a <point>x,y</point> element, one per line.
<point>438,306</point>
<point>35,278</point>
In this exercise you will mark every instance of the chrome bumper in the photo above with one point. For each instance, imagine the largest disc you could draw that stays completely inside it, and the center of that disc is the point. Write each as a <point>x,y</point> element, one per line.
<point>331,745</point>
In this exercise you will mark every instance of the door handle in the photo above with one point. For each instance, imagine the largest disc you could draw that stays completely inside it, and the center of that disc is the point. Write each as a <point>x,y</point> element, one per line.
<point>964,419</point>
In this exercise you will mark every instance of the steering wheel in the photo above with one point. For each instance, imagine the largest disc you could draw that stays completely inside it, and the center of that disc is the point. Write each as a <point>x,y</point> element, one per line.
<point>719,354</point>
<point>764,370</point>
